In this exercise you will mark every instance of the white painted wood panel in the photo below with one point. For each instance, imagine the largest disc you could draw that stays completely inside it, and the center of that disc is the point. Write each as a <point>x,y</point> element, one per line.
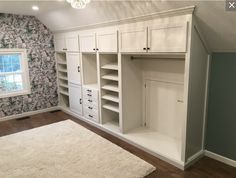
<point>167,38</point>
<point>73,68</point>
<point>107,41</point>
<point>133,40</point>
<point>75,98</point>
<point>164,107</point>
<point>72,42</point>
<point>87,42</point>
<point>60,44</point>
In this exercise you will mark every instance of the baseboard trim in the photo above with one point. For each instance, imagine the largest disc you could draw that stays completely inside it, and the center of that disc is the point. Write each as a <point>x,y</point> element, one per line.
<point>25,114</point>
<point>193,159</point>
<point>220,158</point>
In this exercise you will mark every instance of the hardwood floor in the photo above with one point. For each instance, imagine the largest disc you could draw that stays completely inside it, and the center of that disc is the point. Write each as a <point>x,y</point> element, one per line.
<point>204,168</point>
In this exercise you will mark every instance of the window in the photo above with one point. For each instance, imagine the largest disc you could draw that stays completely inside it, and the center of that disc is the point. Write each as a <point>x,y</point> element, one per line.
<point>14,74</point>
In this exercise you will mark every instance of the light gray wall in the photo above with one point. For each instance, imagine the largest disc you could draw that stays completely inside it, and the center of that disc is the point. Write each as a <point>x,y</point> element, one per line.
<point>221,120</point>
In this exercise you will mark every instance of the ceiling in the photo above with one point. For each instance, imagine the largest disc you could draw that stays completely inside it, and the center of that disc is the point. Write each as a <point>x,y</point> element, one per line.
<point>217,25</point>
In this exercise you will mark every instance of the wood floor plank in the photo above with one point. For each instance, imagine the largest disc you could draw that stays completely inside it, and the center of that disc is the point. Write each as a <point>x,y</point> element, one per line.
<point>204,168</point>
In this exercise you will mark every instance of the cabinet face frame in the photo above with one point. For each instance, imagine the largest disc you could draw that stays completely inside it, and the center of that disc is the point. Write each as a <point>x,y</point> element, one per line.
<point>172,38</point>
<point>129,45</point>
<point>87,42</point>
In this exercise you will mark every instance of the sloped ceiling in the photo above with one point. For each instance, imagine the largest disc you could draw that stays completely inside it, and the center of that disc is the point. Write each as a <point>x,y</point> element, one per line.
<point>217,24</point>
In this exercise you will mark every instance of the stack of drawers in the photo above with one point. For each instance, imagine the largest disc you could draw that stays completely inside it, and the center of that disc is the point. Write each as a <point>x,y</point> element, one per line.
<point>90,104</point>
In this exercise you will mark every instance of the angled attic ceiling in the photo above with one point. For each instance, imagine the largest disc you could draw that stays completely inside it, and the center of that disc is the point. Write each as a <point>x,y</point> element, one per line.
<point>217,24</point>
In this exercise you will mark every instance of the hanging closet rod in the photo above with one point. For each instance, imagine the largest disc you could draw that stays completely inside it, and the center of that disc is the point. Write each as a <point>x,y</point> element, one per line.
<point>155,58</point>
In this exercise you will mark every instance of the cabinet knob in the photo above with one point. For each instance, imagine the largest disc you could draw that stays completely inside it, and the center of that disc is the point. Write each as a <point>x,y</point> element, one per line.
<point>148,48</point>
<point>97,49</point>
<point>144,48</point>
<point>94,49</point>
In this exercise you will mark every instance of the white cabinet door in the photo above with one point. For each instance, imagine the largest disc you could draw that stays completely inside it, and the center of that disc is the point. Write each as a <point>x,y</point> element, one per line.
<point>133,40</point>
<point>75,98</point>
<point>168,38</point>
<point>72,42</point>
<point>87,42</point>
<point>107,41</point>
<point>164,107</point>
<point>59,43</point>
<point>73,68</point>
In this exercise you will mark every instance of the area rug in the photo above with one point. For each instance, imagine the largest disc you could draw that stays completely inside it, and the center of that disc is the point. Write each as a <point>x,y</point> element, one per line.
<point>66,150</point>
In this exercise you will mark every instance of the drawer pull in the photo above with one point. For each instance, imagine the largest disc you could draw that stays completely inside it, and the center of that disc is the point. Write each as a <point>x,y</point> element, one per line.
<point>89,90</point>
<point>180,101</point>
<point>90,101</point>
<point>90,116</point>
<point>89,94</point>
<point>90,107</point>
<point>80,101</point>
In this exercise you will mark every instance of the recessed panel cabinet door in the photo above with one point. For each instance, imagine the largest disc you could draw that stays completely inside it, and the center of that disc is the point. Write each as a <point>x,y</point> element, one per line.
<point>164,107</point>
<point>75,98</point>
<point>72,42</point>
<point>107,41</point>
<point>133,40</point>
<point>168,38</point>
<point>73,68</point>
<point>60,44</point>
<point>87,42</point>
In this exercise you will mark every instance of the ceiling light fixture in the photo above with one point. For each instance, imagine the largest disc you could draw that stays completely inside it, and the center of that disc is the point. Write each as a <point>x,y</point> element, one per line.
<point>78,4</point>
<point>35,8</point>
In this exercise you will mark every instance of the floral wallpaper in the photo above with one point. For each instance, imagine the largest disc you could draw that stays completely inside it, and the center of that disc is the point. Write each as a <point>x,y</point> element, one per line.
<point>18,31</point>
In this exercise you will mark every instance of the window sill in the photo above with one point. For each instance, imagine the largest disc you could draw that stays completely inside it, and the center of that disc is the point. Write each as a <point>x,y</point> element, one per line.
<point>17,93</point>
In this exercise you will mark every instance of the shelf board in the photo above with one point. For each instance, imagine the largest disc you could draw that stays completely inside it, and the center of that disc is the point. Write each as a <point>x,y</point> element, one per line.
<point>111,107</point>
<point>63,78</point>
<point>63,85</point>
<point>111,87</point>
<point>111,66</point>
<point>110,97</point>
<point>111,77</point>
<point>62,70</point>
<point>64,92</point>
<point>112,125</point>
<point>61,63</point>
<point>92,86</point>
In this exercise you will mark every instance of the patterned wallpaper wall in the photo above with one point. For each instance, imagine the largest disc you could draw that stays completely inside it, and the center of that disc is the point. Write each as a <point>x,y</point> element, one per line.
<point>17,31</point>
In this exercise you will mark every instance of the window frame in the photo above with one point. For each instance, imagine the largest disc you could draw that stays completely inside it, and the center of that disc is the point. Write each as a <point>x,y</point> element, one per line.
<point>25,72</point>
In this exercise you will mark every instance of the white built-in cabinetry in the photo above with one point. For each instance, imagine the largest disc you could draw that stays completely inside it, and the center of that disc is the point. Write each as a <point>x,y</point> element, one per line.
<point>137,81</point>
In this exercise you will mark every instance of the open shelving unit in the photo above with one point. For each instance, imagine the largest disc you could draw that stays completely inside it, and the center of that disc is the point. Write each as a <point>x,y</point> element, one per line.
<point>109,80</point>
<point>62,79</point>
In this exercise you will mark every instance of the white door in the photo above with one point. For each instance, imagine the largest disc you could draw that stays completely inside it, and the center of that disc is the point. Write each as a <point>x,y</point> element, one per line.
<point>59,42</point>
<point>72,42</point>
<point>87,42</point>
<point>168,38</point>
<point>164,107</point>
<point>133,40</point>
<point>107,41</point>
<point>75,98</point>
<point>73,68</point>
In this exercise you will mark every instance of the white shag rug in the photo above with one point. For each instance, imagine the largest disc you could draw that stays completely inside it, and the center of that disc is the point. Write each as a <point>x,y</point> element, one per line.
<point>66,150</point>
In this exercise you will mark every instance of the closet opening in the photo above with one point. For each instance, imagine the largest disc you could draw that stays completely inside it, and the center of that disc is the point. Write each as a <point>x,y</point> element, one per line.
<point>89,62</point>
<point>153,103</point>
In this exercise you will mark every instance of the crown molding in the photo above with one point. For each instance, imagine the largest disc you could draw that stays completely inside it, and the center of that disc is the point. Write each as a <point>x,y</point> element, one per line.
<point>168,13</point>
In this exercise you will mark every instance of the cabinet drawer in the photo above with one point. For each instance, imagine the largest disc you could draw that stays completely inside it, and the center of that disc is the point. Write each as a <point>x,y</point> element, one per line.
<point>91,116</point>
<point>90,109</point>
<point>90,94</point>
<point>91,102</point>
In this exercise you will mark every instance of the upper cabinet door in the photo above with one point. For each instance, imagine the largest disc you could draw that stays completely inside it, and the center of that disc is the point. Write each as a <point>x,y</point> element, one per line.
<point>87,42</point>
<point>107,41</point>
<point>72,42</point>
<point>59,42</point>
<point>168,38</point>
<point>133,40</point>
<point>73,68</point>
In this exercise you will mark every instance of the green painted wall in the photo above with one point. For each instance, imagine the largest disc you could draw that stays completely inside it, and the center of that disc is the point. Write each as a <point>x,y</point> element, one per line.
<point>221,120</point>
